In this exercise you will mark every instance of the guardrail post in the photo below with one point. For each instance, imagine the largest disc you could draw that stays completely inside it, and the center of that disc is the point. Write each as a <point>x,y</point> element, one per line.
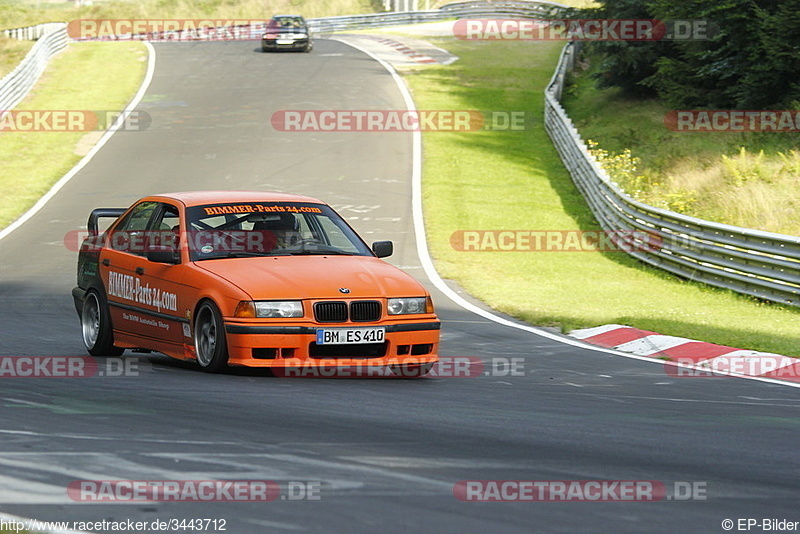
<point>50,39</point>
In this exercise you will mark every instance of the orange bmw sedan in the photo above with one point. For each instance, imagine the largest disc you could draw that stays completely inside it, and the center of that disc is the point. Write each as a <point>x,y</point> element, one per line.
<point>249,279</point>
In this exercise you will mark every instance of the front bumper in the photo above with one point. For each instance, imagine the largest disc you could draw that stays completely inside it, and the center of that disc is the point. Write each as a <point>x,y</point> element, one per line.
<point>287,346</point>
<point>296,44</point>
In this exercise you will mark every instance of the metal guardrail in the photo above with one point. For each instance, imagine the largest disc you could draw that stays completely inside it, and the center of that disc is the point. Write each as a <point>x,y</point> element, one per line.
<point>456,10</point>
<point>50,39</point>
<point>32,33</point>
<point>761,264</point>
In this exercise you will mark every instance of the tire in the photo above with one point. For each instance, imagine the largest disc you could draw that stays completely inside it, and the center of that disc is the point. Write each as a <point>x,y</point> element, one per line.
<point>210,344</point>
<point>411,370</point>
<point>96,329</point>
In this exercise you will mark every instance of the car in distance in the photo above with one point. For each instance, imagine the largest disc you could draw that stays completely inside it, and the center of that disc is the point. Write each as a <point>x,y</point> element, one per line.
<point>287,32</point>
<point>249,279</point>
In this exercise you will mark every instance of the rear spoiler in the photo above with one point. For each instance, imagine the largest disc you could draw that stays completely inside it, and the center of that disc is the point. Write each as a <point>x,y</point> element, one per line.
<point>91,225</point>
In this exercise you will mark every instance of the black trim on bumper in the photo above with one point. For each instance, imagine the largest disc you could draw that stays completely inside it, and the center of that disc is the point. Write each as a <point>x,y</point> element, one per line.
<point>78,296</point>
<point>312,330</point>
<point>413,327</point>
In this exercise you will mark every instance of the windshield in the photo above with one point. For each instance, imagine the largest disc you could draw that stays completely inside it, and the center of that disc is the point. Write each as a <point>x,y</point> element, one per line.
<point>288,22</point>
<point>269,229</point>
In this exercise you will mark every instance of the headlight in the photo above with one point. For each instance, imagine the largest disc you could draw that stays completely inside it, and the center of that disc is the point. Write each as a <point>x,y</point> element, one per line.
<point>269,36</point>
<point>407,306</point>
<point>279,309</point>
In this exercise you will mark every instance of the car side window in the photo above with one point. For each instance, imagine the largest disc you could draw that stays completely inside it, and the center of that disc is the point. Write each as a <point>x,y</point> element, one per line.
<point>165,230</point>
<point>130,235</point>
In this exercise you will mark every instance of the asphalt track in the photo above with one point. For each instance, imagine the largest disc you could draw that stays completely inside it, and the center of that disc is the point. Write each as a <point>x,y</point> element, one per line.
<point>386,453</point>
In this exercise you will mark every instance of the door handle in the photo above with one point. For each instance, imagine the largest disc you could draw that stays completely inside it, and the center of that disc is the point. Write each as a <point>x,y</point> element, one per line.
<point>140,271</point>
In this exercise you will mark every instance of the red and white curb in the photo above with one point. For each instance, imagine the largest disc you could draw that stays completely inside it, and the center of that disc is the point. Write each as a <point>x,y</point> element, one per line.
<point>690,358</point>
<point>401,52</point>
<point>403,49</point>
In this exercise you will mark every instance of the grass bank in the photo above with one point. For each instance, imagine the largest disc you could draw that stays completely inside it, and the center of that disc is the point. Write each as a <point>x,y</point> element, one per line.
<point>741,178</point>
<point>514,180</point>
<point>11,53</point>
<point>18,13</point>
<point>34,161</point>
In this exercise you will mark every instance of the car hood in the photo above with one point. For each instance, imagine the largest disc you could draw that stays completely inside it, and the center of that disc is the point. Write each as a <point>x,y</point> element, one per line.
<point>314,277</point>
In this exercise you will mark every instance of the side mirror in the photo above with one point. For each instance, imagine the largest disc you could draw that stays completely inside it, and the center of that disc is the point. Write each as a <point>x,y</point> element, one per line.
<point>162,255</point>
<point>383,249</point>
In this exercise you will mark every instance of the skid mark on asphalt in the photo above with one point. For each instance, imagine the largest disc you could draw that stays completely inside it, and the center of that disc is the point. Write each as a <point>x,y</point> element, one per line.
<point>366,475</point>
<point>65,406</point>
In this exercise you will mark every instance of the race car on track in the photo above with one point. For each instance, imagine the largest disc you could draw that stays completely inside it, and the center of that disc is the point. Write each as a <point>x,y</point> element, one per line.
<point>249,279</point>
<point>287,32</point>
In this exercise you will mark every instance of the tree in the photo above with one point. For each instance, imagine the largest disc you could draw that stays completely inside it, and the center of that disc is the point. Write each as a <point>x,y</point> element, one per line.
<point>752,62</point>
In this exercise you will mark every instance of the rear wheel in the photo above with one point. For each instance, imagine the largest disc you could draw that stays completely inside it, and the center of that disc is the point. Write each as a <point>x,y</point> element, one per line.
<point>411,370</point>
<point>209,338</point>
<point>98,336</point>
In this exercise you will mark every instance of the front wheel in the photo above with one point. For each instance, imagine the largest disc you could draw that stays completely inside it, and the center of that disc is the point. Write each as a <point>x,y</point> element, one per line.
<point>209,338</point>
<point>98,336</point>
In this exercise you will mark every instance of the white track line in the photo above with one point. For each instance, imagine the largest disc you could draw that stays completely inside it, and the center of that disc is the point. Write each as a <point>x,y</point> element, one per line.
<point>419,223</point>
<point>151,66</point>
<point>430,269</point>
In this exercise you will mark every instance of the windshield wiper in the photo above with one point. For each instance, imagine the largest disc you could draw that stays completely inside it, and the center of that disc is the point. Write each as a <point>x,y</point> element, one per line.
<point>321,253</point>
<point>251,254</point>
<point>280,252</point>
<point>317,252</point>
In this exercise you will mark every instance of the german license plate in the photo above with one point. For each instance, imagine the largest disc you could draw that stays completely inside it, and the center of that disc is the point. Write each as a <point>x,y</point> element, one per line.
<point>350,336</point>
<point>284,41</point>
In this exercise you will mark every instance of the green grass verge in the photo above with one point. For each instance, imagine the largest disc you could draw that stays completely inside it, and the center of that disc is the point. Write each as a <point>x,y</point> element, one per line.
<point>516,181</point>
<point>11,53</point>
<point>34,161</point>
<point>702,174</point>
